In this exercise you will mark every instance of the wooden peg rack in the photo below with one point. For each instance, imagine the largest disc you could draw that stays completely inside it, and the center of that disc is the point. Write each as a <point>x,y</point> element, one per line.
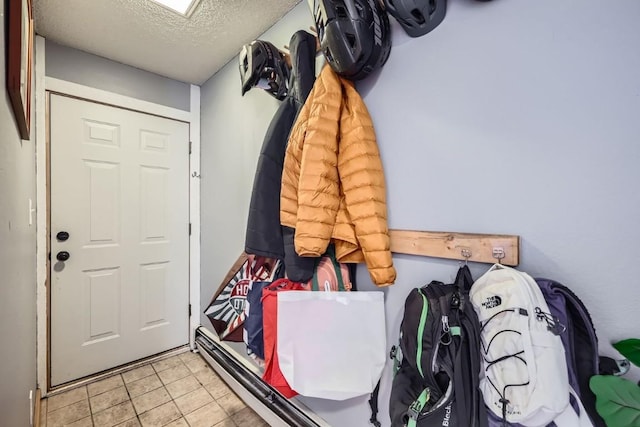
<point>486,248</point>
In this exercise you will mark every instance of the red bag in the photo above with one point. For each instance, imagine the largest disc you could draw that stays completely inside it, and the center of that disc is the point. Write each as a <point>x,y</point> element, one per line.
<point>272,374</point>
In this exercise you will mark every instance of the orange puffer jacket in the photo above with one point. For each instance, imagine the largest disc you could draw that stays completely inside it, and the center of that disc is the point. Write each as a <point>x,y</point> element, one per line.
<point>333,184</point>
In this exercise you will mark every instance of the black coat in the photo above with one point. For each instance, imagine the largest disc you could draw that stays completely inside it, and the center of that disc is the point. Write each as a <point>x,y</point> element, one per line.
<point>264,233</point>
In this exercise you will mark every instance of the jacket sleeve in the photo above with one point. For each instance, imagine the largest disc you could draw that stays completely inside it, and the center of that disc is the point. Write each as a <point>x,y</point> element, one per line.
<point>363,184</point>
<point>298,269</point>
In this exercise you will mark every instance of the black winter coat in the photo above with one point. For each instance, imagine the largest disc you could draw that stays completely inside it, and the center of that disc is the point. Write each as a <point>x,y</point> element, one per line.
<point>265,236</point>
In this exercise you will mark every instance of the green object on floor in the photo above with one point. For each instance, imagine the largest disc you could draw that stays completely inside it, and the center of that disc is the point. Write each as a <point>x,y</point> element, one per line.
<point>617,400</point>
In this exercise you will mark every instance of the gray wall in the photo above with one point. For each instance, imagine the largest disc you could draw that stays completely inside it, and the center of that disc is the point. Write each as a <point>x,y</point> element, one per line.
<point>232,131</point>
<point>17,262</point>
<point>512,117</point>
<point>66,63</point>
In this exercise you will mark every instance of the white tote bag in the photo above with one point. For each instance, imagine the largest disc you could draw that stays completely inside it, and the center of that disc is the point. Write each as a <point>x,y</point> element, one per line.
<point>331,345</point>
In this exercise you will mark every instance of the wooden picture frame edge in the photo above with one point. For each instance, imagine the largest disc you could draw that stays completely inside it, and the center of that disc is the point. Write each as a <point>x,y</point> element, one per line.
<point>20,101</point>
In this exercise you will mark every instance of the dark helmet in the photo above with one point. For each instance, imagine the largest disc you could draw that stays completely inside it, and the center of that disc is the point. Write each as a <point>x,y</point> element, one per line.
<point>262,65</point>
<point>354,35</point>
<point>417,17</point>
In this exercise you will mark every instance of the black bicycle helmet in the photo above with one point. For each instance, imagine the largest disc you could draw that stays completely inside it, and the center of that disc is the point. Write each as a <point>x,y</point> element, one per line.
<point>417,17</point>
<point>262,65</point>
<point>354,35</point>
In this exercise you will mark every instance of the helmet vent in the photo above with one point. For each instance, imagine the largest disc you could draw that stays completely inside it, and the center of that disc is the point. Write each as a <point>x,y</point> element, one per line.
<point>351,39</point>
<point>419,17</point>
<point>432,6</point>
<point>327,54</point>
<point>341,12</point>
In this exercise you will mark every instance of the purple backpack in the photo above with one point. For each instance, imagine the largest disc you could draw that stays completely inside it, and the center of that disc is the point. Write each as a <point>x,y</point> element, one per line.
<point>580,344</point>
<point>579,340</point>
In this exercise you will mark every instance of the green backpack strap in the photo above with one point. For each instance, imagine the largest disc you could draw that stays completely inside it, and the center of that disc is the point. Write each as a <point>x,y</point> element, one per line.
<point>423,322</point>
<point>416,407</point>
<point>331,254</point>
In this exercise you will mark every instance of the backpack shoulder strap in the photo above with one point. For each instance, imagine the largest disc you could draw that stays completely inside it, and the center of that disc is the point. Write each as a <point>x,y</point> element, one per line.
<point>469,400</point>
<point>463,279</point>
<point>373,404</point>
<point>416,407</point>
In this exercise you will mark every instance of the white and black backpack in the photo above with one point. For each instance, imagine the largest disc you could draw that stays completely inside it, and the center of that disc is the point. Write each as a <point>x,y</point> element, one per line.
<point>524,376</point>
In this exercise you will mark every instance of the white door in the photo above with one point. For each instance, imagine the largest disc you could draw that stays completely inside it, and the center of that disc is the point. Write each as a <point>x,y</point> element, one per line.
<point>120,190</point>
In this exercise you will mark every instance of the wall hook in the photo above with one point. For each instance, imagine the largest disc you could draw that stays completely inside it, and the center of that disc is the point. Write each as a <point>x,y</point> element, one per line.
<point>466,254</point>
<point>498,253</point>
<point>195,175</point>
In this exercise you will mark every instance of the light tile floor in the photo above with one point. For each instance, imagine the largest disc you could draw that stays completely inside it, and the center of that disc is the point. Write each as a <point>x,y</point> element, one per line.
<point>178,391</point>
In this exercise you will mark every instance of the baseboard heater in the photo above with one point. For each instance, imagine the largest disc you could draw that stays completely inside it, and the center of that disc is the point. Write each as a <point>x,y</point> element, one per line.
<point>262,398</point>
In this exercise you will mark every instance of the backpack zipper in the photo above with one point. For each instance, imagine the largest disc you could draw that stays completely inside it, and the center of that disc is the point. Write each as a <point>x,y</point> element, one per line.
<point>442,326</point>
<point>553,323</point>
<point>444,400</point>
<point>445,324</point>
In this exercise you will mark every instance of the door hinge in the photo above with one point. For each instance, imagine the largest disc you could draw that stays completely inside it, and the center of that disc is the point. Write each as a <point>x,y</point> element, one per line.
<point>189,310</point>
<point>189,229</point>
<point>190,147</point>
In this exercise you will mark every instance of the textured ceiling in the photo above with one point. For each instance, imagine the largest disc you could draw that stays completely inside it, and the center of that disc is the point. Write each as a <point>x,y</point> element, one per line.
<point>144,34</point>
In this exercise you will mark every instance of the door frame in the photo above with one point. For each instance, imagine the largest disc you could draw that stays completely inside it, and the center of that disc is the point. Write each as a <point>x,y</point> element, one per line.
<point>45,85</point>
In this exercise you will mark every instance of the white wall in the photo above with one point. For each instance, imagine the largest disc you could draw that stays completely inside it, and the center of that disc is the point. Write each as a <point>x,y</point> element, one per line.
<point>512,117</point>
<point>73,65</point>
<point>17,261</point>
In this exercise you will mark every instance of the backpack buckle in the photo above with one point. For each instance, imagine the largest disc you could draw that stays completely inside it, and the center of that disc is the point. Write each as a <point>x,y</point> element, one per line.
<point>418,405</point>
<point>414,410</point>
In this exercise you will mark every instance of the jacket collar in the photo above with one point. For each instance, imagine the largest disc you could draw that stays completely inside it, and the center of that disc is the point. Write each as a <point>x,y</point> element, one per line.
<point>302,48</point>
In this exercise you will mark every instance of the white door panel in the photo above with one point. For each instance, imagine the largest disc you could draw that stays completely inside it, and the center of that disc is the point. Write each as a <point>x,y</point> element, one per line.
<point>120,188</point>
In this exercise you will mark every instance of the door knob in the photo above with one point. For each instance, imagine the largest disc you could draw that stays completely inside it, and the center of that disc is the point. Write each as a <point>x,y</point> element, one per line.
<point>62,256</point>
<point>62,236</point>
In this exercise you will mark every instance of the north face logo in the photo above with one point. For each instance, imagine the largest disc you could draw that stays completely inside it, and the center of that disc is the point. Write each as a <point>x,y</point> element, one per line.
<point>492,302</point>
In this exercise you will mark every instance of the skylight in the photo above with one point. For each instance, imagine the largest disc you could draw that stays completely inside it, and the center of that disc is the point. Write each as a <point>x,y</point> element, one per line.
<point>183,7</point>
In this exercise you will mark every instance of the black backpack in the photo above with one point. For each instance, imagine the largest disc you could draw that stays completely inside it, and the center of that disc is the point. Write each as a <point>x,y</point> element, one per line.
<point>438,360</point>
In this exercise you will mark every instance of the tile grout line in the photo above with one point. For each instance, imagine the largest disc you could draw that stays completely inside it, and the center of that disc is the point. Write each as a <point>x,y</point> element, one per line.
<point>156,371</point>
